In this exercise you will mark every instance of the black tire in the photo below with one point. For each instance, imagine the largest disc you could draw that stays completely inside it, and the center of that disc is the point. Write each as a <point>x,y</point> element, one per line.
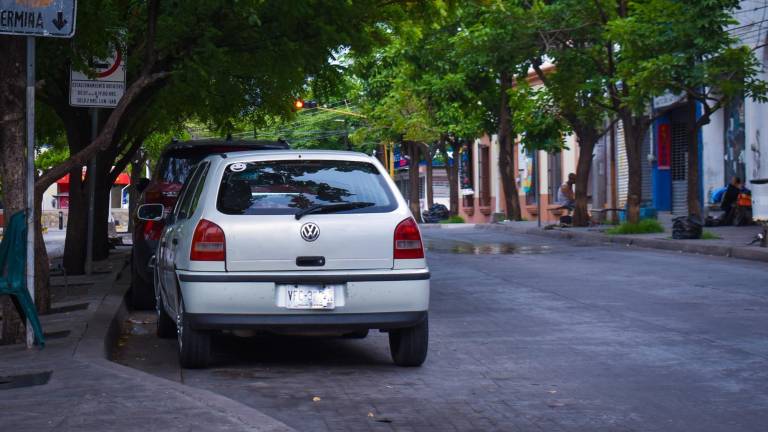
<point>408,346</point>
<point>166,327</point>
<point>357,334</point>
<point>142,292</point>
<point>194,345</point>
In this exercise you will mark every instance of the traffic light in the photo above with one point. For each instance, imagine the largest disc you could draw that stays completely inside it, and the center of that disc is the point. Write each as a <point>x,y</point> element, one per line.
<point>300,104</point>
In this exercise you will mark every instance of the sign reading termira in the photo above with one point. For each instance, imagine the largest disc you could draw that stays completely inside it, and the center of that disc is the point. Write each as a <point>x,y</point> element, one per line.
<point>52,18</point>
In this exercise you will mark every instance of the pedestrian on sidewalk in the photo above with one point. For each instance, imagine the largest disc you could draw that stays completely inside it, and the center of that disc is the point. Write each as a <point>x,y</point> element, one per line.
<point>566,197</point>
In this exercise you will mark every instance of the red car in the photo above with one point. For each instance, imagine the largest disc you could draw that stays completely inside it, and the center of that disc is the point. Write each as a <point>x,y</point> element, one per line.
<point>174,165</point>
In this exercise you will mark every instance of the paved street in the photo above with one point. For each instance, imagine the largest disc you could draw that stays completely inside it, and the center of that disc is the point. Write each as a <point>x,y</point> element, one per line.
<point>527,334</point>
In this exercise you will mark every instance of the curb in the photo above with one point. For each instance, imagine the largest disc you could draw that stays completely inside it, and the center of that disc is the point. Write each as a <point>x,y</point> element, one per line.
<point>102,333</point>
<point>739,252</point>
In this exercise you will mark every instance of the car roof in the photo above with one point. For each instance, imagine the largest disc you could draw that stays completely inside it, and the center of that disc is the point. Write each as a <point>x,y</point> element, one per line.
<point>290,154</point>
<point>247,144</point>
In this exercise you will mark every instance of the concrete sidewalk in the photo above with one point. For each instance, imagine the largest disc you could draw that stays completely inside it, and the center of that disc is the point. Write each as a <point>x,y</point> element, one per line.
<point>733,241</point>
<point>87,392</point>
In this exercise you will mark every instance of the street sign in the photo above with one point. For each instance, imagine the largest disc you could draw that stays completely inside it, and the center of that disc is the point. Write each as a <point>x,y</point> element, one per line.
<point>667,99</point>
<point>47,18</point>
<point>104,88</point>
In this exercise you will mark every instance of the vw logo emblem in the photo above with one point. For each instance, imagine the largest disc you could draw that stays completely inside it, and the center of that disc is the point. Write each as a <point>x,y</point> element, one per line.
<point>310,231</point>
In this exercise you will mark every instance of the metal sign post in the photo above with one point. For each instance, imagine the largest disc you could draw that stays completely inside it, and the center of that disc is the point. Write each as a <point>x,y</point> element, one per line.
<point>30,179</point>
<point>34,19</point>
<point>103,86</point>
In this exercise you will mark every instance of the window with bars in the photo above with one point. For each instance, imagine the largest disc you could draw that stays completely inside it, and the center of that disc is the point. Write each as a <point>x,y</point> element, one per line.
<point>679,151</point>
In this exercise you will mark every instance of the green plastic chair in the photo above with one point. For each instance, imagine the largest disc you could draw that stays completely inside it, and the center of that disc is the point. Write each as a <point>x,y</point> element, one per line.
<point>13,254</point>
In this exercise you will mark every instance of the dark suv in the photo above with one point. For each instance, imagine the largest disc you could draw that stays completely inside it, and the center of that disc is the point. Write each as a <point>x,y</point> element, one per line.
<point>174,165</point>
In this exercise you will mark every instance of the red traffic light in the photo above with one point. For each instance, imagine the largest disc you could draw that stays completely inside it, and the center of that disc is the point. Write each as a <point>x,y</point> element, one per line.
<point>301,104</point>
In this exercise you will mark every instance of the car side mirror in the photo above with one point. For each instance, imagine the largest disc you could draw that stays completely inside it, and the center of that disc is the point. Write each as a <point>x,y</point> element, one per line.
<point>141,184</point>
<point>150,212</point>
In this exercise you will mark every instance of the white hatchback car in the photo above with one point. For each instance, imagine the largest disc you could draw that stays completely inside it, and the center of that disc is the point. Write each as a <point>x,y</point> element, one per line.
<point>290,241</point>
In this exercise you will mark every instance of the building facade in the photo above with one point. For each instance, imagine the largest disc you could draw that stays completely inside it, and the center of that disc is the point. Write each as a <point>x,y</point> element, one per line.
<point>734,142</point>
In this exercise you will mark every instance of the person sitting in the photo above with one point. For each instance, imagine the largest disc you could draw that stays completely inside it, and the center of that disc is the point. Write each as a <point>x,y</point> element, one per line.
<point>566,197</point>
<point>730,198</point>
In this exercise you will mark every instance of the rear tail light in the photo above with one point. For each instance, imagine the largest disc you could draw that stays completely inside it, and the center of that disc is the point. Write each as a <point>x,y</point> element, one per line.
<point>408,240</point>
<point>208,243</point>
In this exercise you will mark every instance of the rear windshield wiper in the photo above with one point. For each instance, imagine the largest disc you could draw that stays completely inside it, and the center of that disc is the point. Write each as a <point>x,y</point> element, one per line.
<point>331,208</point>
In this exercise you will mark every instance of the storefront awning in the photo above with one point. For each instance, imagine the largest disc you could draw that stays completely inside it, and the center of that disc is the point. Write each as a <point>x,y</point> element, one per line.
<point>123,179</point>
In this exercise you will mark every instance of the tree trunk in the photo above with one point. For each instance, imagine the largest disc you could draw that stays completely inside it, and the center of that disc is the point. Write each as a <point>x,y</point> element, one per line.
<point>507,154</point>
<point>430,180</point>
<point>414,202</point>
<point>453,180</point>
<point>42,265</point>
<point>77,225</point>
<point>137,172</point>
<point>102,205</point>
<point>452,172</point>
<point>381,155</point>
<point>587,140</point>
<point>694,203</point>
<point>12,156</point>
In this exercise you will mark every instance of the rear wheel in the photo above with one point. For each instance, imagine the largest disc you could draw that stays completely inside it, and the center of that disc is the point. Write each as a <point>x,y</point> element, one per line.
<point>142,292</point>
<point>408,346</point>
<point>194,345</point>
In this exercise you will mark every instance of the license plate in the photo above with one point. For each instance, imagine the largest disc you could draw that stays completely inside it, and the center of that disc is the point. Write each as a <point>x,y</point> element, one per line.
<point>310,297</point>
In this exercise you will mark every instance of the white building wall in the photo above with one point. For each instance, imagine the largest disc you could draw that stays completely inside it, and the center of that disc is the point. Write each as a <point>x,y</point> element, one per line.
<point>49,197</point>
<point>753,27</point>
<point>570,156</point>
<point>754,14</point>
<point>542,175</point>
<point>756,117</point>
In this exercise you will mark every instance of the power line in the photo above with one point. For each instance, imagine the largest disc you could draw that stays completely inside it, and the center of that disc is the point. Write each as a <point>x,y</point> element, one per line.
<point>319,117</point>
<point>743,11</point>
<point>746,25</point>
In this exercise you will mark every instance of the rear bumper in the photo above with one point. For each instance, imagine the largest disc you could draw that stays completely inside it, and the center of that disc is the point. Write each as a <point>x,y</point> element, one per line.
<point>306,278</point>
<point>262,296</point>
<point>324,321</point>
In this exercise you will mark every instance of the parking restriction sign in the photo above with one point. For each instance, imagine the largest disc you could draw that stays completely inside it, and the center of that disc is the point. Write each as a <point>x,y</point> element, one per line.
<point>103,88</point>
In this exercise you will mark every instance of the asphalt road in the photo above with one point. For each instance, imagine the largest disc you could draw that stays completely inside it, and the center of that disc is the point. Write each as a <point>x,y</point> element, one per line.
<point>527,334</point>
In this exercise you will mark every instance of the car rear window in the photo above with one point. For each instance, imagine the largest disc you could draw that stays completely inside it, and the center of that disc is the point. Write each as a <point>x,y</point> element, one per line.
<point>286,187</point>
<point>176,166</point>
